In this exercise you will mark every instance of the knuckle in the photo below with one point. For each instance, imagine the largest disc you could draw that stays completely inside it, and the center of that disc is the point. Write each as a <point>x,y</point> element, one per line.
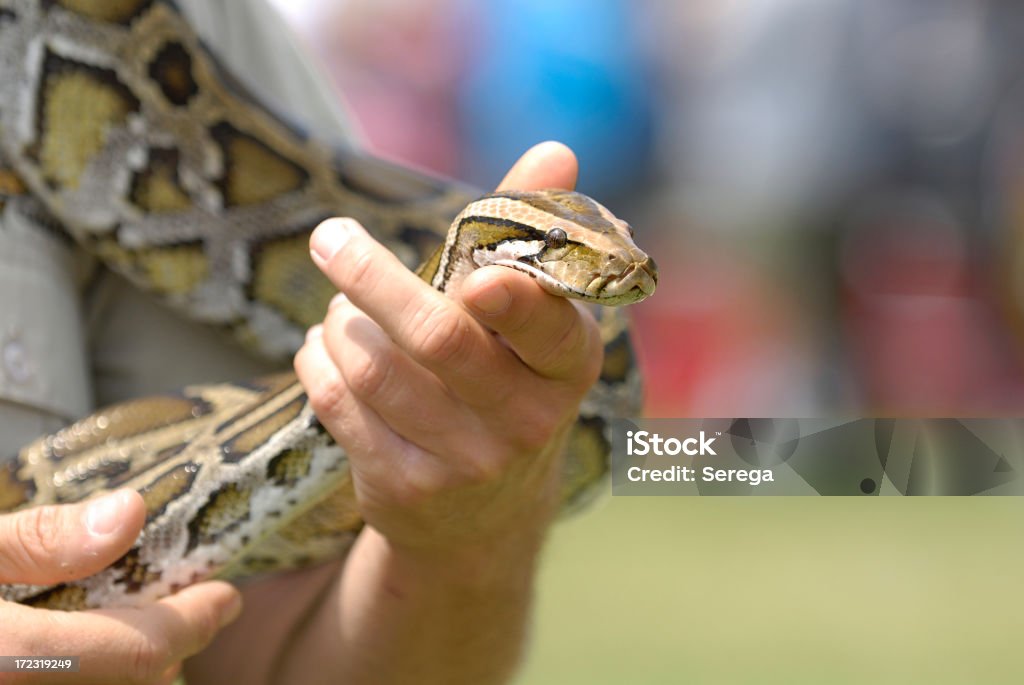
<point>327,398</point>
<point>564,343</point>
<point>539,427</point>
<point>422,486</point>
<point>592,349</point>
<point>361,268</point>
<point>38,534</point>
<point>440,335</point>
<point>414,491</point>
<point>533,442</point>
<point>149,655</point>
<point>591,371</point>
<point>205,628</point>
<point>368,374</point>
<point>485,470</point>
<point>518,320</point>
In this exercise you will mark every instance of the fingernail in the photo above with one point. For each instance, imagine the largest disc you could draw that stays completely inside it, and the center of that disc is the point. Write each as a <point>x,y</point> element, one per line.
<point>337,301</point>
<point>231,611</point>
<point>104,516</point>
<point>170,676</point>
<point>493,300</point>
<point>315,332</point>
<point>329,237</point>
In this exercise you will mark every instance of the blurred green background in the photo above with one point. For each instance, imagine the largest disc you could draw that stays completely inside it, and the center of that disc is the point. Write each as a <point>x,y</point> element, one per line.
<point>783,590</point>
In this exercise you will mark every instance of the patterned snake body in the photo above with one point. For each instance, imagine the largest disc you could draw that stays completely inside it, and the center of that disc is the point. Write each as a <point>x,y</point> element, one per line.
<point>117,125</point>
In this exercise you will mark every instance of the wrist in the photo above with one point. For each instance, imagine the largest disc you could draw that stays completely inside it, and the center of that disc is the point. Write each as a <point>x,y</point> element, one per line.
<point>506,561</point>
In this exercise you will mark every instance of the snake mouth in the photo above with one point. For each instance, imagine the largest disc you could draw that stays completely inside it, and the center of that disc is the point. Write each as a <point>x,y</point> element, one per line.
<point>548,282</point>
<point>635,283</point>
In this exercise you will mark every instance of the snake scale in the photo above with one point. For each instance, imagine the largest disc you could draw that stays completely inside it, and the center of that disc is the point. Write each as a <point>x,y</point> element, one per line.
<point>119,127</point>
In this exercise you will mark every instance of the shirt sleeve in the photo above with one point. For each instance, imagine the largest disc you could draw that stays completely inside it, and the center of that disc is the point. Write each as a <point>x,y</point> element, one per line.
<point>44,379</point>
<point>255,43</point>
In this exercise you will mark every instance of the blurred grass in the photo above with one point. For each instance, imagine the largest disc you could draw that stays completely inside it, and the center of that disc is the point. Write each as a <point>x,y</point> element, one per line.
<point>783,590</point>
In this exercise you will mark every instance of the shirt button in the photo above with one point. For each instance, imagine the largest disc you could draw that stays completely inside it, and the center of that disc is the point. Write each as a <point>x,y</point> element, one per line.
<point>16,362</point>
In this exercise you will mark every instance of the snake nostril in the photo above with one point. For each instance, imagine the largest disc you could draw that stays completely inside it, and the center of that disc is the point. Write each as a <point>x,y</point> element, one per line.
<point>651,267</point>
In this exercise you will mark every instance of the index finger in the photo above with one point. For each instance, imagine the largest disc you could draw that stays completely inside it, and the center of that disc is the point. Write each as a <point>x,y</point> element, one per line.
<point>429,327</point>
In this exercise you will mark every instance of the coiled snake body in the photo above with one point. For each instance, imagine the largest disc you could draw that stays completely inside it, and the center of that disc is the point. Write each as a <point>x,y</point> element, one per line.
<point>118,125</point>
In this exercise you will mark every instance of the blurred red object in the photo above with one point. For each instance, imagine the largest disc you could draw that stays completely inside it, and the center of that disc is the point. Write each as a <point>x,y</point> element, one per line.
<point>719,339</point>
<point>924,339</point>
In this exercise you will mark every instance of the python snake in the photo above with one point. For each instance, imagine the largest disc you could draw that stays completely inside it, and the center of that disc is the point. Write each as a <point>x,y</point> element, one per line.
<point>119,126</point>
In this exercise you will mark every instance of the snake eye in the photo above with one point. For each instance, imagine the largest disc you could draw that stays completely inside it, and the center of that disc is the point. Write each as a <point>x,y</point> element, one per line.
<point>555,239</point>
<point>630,229</point>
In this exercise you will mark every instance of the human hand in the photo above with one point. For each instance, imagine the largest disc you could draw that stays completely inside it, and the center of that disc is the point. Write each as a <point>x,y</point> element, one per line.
<point>52,544</point>
<point>454,415</point>
<point>454,434</point>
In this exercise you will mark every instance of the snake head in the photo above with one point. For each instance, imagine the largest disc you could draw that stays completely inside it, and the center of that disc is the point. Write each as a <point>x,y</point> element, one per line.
<point>573,246</point>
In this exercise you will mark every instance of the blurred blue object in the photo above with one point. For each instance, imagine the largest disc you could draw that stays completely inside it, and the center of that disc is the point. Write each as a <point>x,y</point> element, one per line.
<point>568,70</point>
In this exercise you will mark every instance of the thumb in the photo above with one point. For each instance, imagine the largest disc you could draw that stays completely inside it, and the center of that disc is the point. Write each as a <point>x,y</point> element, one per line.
<point>545,165</point>
<point>57,543</point>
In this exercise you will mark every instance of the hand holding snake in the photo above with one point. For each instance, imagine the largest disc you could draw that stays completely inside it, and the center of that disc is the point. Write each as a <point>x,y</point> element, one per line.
<point>439,398</point>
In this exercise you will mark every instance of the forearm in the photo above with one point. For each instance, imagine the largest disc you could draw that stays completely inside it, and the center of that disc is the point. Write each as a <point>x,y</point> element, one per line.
<point>403,616</point>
